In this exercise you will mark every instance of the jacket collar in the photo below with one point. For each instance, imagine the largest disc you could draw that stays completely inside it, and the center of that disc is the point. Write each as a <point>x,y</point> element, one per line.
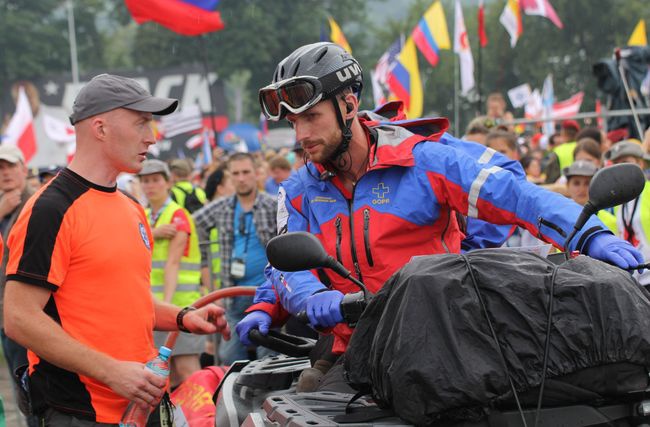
<point>391,136</point>
<point>396,135</point>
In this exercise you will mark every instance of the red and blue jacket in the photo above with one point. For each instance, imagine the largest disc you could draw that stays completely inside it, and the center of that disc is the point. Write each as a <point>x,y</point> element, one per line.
<point>405,205</point>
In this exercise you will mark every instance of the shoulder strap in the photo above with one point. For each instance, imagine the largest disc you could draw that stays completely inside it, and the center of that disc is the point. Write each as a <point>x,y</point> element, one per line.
<point>187,193</point>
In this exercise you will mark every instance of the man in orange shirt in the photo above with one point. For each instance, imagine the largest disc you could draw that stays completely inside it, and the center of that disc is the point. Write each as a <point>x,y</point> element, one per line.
<point>78,279</point>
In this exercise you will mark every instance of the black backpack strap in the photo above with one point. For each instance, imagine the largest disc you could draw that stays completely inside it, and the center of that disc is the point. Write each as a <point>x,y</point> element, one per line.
<point>362,414</point>
<point>493,333</point>
<point>174,194</point>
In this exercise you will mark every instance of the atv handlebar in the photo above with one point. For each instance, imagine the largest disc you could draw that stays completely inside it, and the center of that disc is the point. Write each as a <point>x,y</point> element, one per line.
<point>351,308</point>
<point>290,345</point>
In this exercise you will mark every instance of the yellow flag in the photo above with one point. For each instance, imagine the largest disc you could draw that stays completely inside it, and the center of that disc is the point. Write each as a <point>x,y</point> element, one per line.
<point>435,18</point>
<point>336,35</point>
<point>638,37</point>
<point>409,76</point>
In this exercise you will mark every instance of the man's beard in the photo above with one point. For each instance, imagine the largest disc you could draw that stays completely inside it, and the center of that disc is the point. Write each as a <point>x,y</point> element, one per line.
<point>326,155</point>
<point>245,193</point>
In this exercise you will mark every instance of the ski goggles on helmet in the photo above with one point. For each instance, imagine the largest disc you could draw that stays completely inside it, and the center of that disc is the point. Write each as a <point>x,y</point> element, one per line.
<point>294,95</point>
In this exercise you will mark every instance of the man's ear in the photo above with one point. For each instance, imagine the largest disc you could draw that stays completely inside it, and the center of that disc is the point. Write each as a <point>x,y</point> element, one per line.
<point>351,105</point>
<point>98,127</point>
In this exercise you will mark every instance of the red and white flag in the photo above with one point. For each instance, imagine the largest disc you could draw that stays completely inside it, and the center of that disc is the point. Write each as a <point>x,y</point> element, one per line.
<point>541,8</point>
<point>197,140</point>
<point>20,131</point>
<point>377,91</point>
<point>461,47</point>
<point>569,107</point>
<point>70,150</point>
<point>58,130</point>
<point>194,141</point>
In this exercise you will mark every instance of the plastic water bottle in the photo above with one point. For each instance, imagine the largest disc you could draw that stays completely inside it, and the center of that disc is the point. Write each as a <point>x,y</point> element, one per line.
<point>135,416</point>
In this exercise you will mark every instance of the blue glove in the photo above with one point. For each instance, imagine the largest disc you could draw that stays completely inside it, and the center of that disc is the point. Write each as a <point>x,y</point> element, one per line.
<point>254,320</point>
<point>324,309</point>
<point>615,251</point>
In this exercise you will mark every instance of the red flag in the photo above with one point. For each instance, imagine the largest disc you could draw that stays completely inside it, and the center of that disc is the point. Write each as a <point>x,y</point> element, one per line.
<point>541,8</point>
<point>569,107</point>
<point>482,35</point>
<point>599,119</point>
<point>187,17</point>
<point>20,131</point>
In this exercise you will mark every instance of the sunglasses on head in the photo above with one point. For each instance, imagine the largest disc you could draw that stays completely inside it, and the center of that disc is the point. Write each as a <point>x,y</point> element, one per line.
<point>294,95</point>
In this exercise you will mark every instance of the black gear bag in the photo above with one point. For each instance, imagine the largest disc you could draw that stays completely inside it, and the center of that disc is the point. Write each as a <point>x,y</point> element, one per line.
<point>449,336</point>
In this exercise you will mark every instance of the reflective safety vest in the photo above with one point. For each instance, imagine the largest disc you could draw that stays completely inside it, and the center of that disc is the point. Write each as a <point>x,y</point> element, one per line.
<point>564,153</point>
<point>216,258</point>
<point>189,273</point>
<point>609,220</point>
<point>640,223</point>
<point>183,190</point>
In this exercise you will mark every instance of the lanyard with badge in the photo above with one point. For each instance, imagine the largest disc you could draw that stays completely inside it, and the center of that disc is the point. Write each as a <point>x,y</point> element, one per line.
<point>238,265</point>
<point>153,218</point>
<point>630,235</point>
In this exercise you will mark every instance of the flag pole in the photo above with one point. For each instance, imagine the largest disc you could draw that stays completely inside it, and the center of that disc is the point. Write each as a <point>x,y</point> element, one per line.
<point>456,99</point>
<point>73,43</point>
<point>479,103</point>
<point>206,72</point>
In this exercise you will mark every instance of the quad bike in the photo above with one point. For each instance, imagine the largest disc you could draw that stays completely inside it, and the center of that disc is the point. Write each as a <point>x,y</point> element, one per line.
<point>263,392</point>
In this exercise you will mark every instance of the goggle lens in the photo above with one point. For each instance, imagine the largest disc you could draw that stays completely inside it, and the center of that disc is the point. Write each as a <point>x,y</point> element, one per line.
<point>295,94</point>
<point>271,102</point>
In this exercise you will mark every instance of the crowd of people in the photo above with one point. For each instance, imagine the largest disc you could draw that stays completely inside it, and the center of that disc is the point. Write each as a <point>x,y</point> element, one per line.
<point>91,271</point>
<point>565,162</point>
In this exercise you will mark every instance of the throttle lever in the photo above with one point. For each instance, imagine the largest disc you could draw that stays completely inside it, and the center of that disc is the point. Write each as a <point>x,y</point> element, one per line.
<point>352,307</point>
<point>639,267</point>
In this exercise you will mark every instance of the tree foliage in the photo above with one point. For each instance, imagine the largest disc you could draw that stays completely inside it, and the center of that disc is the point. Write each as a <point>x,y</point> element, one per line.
<point>258,34</point>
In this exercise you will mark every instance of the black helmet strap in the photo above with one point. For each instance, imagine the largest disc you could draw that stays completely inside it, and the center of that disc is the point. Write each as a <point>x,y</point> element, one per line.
<point>345,131</point>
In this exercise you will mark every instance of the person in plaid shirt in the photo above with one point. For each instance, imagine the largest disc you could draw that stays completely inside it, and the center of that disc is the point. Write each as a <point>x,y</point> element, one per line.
<point>245,222</point>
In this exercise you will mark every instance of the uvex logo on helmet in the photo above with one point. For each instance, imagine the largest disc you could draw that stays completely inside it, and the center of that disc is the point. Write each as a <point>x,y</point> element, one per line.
<point>348,72</point>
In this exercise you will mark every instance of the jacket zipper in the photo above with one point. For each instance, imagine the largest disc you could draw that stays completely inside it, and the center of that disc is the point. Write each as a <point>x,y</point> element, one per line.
<point>355,260</point>
<point>444,230</point>
<point>366,235</point>
<point>551,225</point>
<point>339,237</point>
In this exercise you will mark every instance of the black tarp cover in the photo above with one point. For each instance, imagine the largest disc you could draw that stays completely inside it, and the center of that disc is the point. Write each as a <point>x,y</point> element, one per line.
<point>424,345</point>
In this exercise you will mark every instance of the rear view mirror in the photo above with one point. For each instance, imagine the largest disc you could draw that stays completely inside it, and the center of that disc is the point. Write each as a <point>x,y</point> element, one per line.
<point>615,185</point>
<point>299,250</point>
<point>296,252</point>
<point>610,186</point>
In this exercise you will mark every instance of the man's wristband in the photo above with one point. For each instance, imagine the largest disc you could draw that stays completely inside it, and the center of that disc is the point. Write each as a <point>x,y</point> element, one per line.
<point>179,319</point>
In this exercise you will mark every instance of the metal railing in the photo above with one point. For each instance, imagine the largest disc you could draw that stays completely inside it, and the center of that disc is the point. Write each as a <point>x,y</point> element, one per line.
<point>590,115</point>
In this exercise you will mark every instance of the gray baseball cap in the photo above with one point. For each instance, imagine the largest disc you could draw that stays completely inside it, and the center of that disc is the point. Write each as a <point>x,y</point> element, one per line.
<point>580,168</point>
<point>152,166</point>
<point>107,92</point>
<point>624,149</point>
<point>11,154</point>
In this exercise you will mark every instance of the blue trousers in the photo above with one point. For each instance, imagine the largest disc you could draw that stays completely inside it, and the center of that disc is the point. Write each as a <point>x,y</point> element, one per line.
<point>16,356</point>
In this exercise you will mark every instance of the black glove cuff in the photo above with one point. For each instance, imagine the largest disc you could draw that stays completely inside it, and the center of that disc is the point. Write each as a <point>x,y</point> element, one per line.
<point>179,319</point>
<point>585,240</point>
